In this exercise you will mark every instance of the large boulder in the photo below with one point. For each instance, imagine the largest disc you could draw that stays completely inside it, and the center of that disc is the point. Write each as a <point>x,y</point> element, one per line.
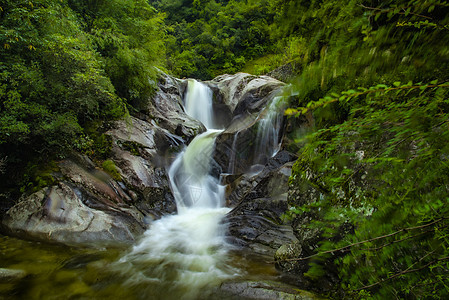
<point>59,213</point>
<point>264,290</point>
<point>247,97</point>
<point>166,109</point>
<point>244,90</point>
<point>142,152</point>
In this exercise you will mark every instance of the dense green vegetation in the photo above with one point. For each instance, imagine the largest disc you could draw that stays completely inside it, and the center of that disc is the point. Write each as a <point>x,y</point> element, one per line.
<point>207,38</point>
<point>66,67</point>
<point>375,78</point>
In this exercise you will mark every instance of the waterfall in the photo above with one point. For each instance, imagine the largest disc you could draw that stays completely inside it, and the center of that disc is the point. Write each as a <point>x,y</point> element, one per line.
<point>198,103</point>
<point>188,250</point>
<point>269,127</point>
<point>191,182</point>
<point>232,156</point>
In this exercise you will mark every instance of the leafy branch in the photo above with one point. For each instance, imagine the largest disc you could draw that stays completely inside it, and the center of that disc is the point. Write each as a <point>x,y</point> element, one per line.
<point>408,270</point>
<point>407,11</point>
<point>348,247</point>
<point>346,96</point>
<point>396,10</point>
<point>420,24</point>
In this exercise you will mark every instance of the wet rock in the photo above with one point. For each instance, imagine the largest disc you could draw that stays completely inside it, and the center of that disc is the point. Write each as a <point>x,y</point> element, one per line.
<point>165,108</point>
<point>257,226</point>
<point>143,164</point>
<point>271,180</point>
<point>59,214</point>
<point>246,90</point>
<point>246,96</point>
<point>11,275</point>
<point>10,281</point>
<point>264,290</point>
<point>256,222</point>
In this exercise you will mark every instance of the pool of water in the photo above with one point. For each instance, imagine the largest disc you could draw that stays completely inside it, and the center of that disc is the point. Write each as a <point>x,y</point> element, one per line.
<point>61,272</point>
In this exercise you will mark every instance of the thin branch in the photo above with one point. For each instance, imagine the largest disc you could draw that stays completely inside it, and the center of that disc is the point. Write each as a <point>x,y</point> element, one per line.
<point>397,241</point>
<point>389,10</point>
<point>347,248</point>
<point>371,91</point>
<point>408,270</point>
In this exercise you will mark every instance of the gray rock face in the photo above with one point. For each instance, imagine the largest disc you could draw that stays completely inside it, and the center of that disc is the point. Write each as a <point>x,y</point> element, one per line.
<point>264,290</point>
<point>256,222</point>
<point>242,89</point>
<point>59,214</point>
<point>246,96</point>
<point>166,109</point>
<point>11,275</point>
<point>142,153</point>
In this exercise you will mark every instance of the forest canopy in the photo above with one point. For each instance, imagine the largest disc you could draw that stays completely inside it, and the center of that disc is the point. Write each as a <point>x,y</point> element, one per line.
<point>66,67</point>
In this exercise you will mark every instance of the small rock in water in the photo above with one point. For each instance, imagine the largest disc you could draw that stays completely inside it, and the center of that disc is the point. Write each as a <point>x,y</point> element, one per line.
<point>11,274</point>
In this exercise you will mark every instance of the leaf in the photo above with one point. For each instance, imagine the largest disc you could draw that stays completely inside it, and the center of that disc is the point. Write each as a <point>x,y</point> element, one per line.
<point>397,83</point>
<point>407,12</point>
<point>290,111</point>
<point>335,95</point>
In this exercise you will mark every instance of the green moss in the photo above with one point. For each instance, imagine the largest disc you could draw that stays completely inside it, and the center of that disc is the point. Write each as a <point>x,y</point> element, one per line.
<point>38,176</point>
<point>132,147</point>
<point>110,168</point>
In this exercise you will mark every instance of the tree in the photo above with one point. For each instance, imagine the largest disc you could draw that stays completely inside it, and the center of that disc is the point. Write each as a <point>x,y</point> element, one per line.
<point>66,68</point>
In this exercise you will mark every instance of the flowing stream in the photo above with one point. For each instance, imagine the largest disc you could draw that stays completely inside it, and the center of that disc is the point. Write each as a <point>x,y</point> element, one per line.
<point>181,256</point>
<point>189,249</point>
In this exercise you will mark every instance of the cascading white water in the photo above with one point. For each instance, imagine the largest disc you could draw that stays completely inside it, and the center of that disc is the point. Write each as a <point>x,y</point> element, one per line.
<point>267,141</point>
<point>192,185</point>
<point>188,249</point>
<point>233,153</point>
<point>198,103</point>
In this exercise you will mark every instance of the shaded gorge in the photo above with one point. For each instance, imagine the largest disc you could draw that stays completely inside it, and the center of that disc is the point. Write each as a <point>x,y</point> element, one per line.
<point>195,212</point>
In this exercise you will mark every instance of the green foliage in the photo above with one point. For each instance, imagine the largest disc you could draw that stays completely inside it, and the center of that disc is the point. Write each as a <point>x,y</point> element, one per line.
<point>375,80</point>
<point>209,38</point>
<point>51,79</point>
<point>66,65</point>
<point>110,168</point>
<point>129,36</point>
<point>38,177</point>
